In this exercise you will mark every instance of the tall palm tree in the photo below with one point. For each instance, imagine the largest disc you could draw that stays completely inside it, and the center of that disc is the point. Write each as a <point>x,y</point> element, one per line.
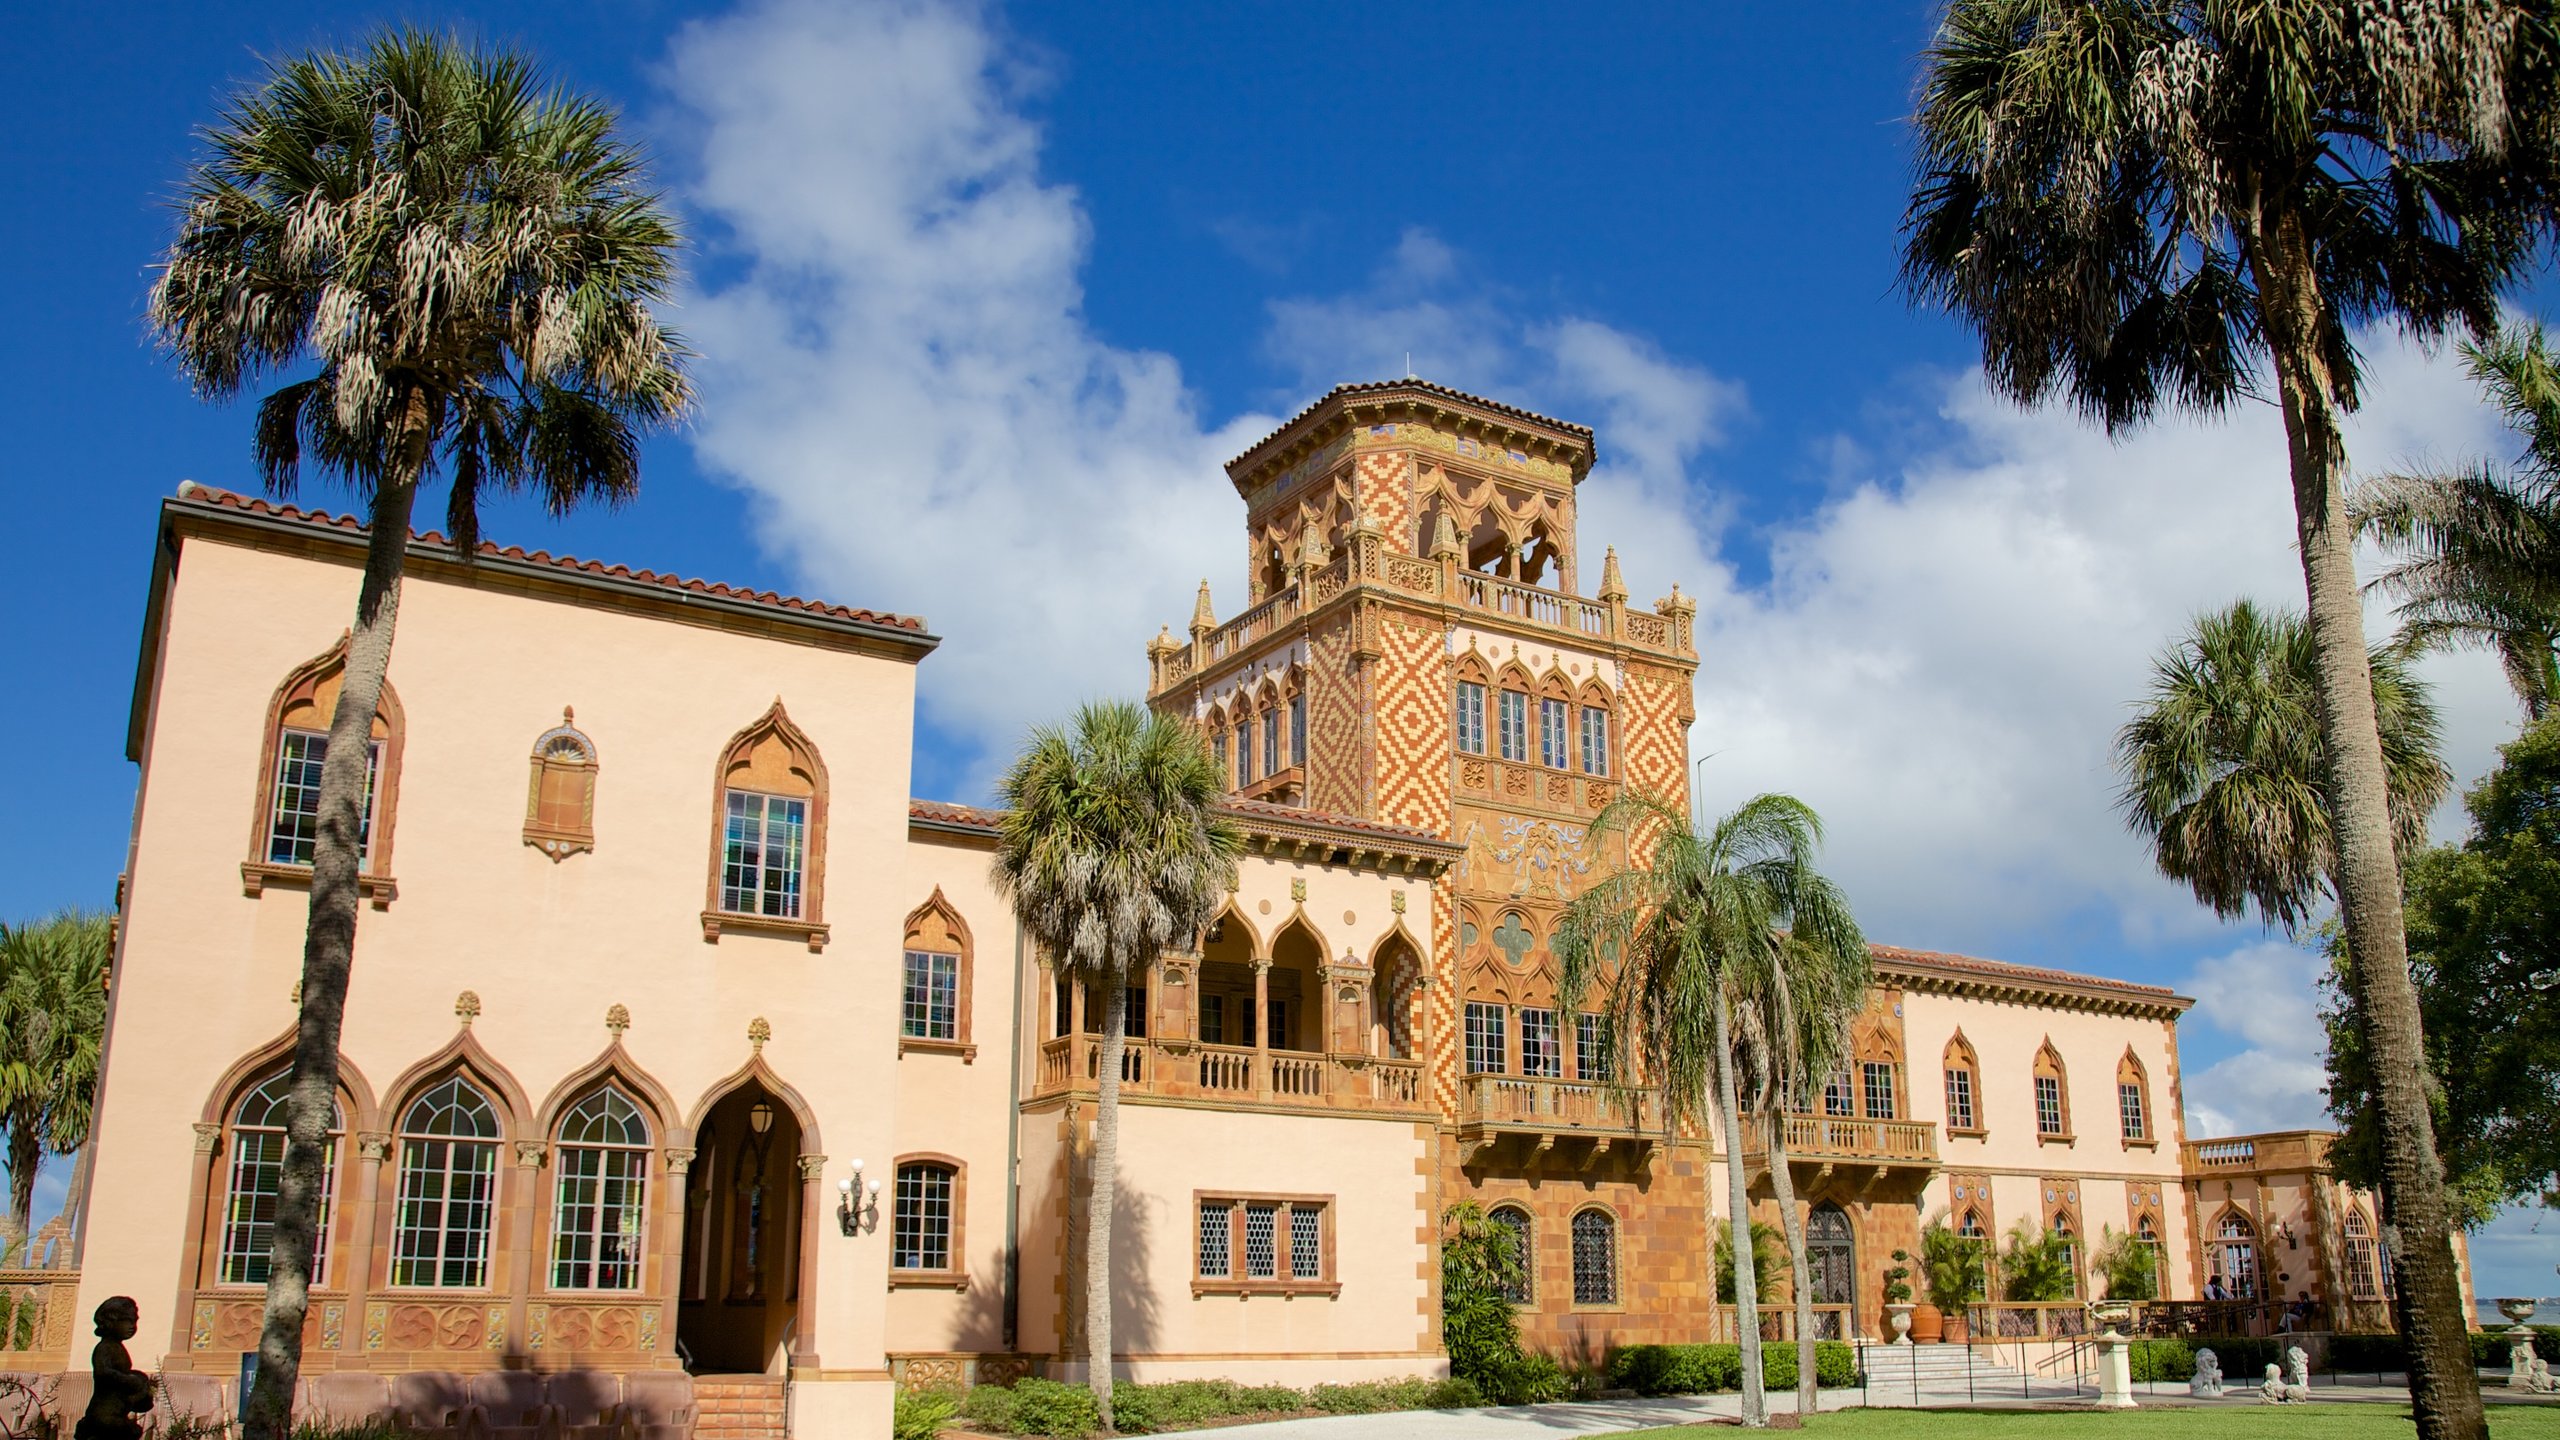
<point>1112,851</point>
<point>1665,944</point>
<point>2480,546</point>
<point>1795,1007</point>
<point>2134,202</point>
<point>53,1017</point>
<point>2223,766</point>
<point>459,261</point>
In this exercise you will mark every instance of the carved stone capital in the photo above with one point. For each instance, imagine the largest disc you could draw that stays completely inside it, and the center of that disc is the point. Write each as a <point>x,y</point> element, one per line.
<point>529,1154</point>
<point>679,1159</point>
<point>208,1135</point>
<point>813,1168</point>
<point>373,1145</point>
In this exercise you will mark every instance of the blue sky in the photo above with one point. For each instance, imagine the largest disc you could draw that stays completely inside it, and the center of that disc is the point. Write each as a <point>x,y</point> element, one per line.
<point>984,295</point>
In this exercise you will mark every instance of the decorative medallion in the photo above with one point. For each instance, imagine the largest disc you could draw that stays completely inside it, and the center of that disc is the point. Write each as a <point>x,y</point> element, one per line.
<point>617,1019</point>
<point>466,1007</point>
<point>1395,902</point>
<point>375,1317</point>
<point>201,1336</point>
<point>333,1324</point>
<point>759,1030</point>
<point>1298,889</point>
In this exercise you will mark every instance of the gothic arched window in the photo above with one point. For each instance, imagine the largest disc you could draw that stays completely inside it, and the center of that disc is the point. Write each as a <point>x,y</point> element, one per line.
<point>448,1188</point>
<point>257,1169</point>
<point>768,862</point>
<point>1523,1246</point>
<point>1964,1087</point>
<point>2053,1095</point>
<point>599,1201</point>
<point>1595,1258</point>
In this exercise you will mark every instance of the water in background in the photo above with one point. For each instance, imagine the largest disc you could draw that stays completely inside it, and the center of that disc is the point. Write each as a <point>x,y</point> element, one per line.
<point>2490,1319</point>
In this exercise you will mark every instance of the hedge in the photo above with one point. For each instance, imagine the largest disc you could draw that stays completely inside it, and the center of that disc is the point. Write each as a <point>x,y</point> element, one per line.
<point>1699,1369</point>
<point>2387,1353</point>
<point>1045,1407</point>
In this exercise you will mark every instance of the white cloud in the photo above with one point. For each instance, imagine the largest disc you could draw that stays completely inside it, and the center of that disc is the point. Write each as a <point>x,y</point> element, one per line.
<point>2266,997</point>
<point>900,374</point>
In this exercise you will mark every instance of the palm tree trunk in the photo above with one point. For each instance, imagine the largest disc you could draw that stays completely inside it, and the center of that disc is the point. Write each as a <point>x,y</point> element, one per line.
<point>328,948</point>
<point>2442,1382</point>
<point>1106,1169</point>
<point>1746,1293</point>
<point>26,1154</point>
<point>1807,1379</point>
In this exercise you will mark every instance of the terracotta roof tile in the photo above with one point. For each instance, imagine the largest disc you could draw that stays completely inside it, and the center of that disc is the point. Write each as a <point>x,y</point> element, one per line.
<point>1424,387</point>
<point>349,524</point>
<point>962,817</point>
<point>1997,970</point>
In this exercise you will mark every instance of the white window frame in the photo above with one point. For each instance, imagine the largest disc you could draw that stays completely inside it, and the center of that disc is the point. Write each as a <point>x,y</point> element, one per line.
<point>615,1216</point>
<point>748,873</point>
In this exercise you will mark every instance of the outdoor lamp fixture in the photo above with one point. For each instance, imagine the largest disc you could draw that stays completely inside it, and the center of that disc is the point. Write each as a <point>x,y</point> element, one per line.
<point>857,1204</point>
<point>2284,1232</point>
<point>760,1119</point>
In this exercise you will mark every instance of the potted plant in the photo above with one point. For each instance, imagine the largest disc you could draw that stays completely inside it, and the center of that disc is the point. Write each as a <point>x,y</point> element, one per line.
<point>1951,1273</point>
<point>1897,1297</point>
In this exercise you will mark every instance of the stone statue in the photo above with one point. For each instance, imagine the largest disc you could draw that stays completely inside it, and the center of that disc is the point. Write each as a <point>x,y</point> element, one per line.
<point>2207,1383</point>
<point>2520,1359</point>
<point>2542,1381</point>
<point>2271,1389</point>
<point>118,1392</point>
<point>2298,1374</point>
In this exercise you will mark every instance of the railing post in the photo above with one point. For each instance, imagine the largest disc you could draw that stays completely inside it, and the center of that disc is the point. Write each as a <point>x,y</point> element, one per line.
<point>1262,1027</point>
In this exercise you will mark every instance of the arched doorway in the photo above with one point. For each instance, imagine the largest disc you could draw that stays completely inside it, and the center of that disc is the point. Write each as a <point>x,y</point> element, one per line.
<point>1831,1264</point>
<point>742,1236</point>
<point>1398,972</point>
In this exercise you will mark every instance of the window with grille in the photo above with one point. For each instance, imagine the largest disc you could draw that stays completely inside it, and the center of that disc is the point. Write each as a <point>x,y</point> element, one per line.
<point>448,1189</point>
<point>2129,1108</point>
<point>2048,1105</point>
<point>931,1009</point>
<point>1836,1096</point>
<point>598,1202</point>
<point>1960,1099</point>
<point>1297,729</point>
<point>1512,1218</point>
<point>1590,1060</point>
<point>1486,1043</point>
<point>257,1171</point>
<point>2364,1280</point>
<point>1880,1097</point>
<point>1276,1240</point>
<point>1270,742</point>
<point>920,1218</point>
<point>1470,718</point>
<point>293,827</point>
<point>1541,1052</point>
<point>1595,1258</point>
<point>765,854</point>
<point>1515,725</point>
<point>1554,734</point>
<point>1595,740</point>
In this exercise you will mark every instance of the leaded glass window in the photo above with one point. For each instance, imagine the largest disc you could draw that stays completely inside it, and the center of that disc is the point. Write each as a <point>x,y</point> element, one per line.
<point>1271,742</point>
<point>448,1189</point>
<point>1487,1046</point>
<point>1589,1060</point>
<point>1595,740</point>
<point>257,1171</point>
<point>2048,1105</point>
<point>1217,1236</point>
<point>1595,1258</point>
<point>599,1200</point>
<point>764,855</point>
<point>1836,1096</point>
<point>293,825</point>
<point>1959,1098</point>
<point>1244,753</point>
<point>1261,1240</point>
<point>1878,1076</point>
<point>1470,718</point>
<point>1554,737</point>
<point>1297,729</point>
<point>920,1219</point>
<point>931,1008</point>
<point>1541,1049</point>
<point>2129,1110</point>
<point>1306,1242</point>
<point>1515,725</point>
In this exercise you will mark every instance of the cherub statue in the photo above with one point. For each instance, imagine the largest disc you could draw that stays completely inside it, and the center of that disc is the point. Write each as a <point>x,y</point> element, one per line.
<point>2208,1377</point>
<point>118,1392</point>
<point>2271,1389</point>
<point>2298,1377</point>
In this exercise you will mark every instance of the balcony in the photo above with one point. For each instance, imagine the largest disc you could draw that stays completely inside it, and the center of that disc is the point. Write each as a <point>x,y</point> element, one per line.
<point>1831,1143</point>
<point>1531,1115</point>
<point>1182,1070</point>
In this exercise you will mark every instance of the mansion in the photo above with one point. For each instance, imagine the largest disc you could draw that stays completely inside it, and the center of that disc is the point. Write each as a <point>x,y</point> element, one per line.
<point>634,1081</point>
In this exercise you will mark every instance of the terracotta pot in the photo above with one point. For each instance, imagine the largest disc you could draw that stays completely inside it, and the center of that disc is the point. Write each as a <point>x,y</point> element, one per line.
<point>1957,1329</point>
<point>1927,1323</point>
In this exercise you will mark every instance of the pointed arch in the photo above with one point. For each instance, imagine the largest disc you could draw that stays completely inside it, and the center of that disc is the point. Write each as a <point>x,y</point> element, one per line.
<point>363,1112</point>
<point>2133,1101</point>
<point>230,1188</point>
<point>1294,987</point>
<point>768,869</point>
<point>614,1066</point>
<point>2052,1088</point>
<point>1963,1070</point>
<point>284,804</point>
<point>757,1072</point>
<point>463,1055</point>
<point>939,960</point>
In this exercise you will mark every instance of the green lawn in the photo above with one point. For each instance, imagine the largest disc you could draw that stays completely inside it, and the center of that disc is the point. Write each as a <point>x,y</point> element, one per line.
<point>2328,1422</point>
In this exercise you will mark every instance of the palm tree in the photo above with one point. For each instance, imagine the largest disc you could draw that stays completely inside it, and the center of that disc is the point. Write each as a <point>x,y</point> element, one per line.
<point>53,1017</point>
<point>1666,943</point>
<point>2223,766</point>
<point>466,257</point>
<point>1795,1008</point>
<point>2481,547</point>
<point>1113,852</point>
<point>2135,202</point>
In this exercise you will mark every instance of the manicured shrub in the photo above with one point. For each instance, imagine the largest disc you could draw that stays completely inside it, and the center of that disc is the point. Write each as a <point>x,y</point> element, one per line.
<point>989,1407</point>
<point>1703,1369</point>
<point>1045,1407</point>
<point>2162,1360</point>
<point>921,1414</point>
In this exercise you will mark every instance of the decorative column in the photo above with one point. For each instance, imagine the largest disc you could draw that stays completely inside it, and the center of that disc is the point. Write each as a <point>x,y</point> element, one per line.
<point>528,1189</point>
<point>658,1327</point>
<point>373,1147</point>
<point>1262,1026</point>
<point>1076,1047</point>
<point>804,1333</point>
<point>200,1220</point>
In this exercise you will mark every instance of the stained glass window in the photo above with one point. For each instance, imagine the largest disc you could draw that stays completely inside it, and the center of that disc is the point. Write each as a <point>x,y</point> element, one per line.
<point>257,1170</point>
<point>448,1189</point>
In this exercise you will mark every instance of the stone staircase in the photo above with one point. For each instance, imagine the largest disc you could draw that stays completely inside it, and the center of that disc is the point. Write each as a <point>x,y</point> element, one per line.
<point>1943,1374</point>
<point>737,1407</point>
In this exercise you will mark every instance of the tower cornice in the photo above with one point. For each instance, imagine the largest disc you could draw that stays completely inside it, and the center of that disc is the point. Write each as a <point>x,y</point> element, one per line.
<point>1379,402</point>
